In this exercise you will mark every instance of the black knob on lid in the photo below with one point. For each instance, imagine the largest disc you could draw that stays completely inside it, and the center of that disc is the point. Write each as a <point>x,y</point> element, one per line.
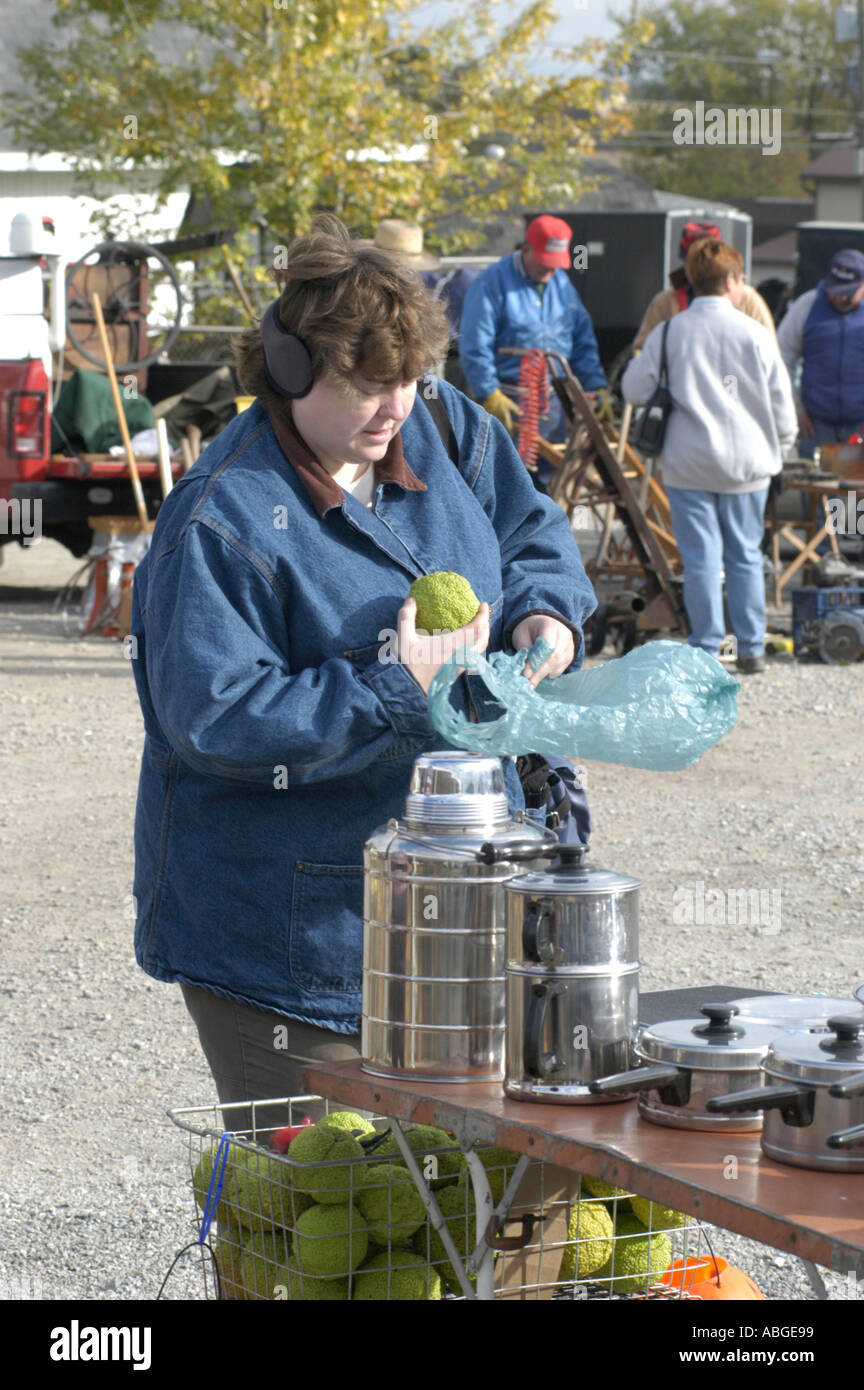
<point>848,1035</point>
<point>719,1027</point>
<point>571,857</point>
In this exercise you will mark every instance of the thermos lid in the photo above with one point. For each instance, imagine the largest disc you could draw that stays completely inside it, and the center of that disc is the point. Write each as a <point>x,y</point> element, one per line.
<point>455,788</point>
<point>570,874</point>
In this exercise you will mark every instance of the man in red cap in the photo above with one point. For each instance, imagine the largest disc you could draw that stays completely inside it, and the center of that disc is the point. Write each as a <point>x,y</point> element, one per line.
<point>527,300</point>
<point>667,303</point>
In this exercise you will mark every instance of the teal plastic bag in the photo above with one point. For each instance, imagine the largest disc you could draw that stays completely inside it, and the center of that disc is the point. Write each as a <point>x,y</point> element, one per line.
<point>660,707</point>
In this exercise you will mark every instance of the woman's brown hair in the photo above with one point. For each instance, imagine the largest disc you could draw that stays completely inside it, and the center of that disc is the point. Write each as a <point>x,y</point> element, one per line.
<point>708,263</point>
<point>355,307</point>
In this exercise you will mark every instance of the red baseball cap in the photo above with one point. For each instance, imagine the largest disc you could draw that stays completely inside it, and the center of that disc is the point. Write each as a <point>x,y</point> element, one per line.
<point>549,239</point>
<point>694,231</point>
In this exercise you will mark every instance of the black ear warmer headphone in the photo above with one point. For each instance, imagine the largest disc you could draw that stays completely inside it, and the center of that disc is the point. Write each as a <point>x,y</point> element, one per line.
<point>287,364</point>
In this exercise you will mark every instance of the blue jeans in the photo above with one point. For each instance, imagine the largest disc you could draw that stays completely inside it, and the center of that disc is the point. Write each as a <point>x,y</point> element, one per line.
<point>719,531</point>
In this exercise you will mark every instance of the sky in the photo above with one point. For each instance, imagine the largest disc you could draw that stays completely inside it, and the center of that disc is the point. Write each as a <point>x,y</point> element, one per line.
<point>580,19</point>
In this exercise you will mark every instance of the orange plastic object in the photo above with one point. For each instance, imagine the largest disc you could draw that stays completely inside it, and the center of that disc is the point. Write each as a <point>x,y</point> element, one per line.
<point>682,1274</point>
<point>711,1279</point>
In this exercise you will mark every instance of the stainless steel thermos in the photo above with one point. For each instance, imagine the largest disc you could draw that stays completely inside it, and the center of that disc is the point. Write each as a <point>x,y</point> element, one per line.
<point>434,925</point>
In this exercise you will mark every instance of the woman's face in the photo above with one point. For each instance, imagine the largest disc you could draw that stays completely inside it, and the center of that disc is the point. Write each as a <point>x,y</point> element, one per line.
<point>352,426</point>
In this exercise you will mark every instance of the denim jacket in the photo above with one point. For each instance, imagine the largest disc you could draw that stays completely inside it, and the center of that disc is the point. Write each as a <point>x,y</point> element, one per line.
<point>276,740</point>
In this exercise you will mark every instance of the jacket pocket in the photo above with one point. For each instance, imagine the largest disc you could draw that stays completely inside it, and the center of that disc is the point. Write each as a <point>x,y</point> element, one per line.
<point>325,933</point>
<point>362,657</point>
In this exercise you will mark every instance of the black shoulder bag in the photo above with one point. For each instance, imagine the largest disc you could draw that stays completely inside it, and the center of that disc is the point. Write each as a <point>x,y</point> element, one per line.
<point>650,420</point>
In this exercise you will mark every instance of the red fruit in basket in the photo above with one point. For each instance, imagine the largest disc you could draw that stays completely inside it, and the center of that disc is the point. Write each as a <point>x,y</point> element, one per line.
<point>281,1139</point>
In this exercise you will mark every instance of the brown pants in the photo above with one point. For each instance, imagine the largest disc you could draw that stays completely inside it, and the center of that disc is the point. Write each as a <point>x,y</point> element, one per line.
<point>255,1054</point>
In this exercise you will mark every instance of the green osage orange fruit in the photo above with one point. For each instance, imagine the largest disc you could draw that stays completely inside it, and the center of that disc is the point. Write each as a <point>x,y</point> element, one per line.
<point>445,601</point>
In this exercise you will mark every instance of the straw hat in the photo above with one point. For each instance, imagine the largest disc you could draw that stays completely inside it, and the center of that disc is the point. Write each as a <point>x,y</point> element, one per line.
<point>405,241</point>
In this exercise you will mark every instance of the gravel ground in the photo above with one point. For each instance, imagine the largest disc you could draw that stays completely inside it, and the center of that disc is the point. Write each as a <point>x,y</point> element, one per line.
<point>94,1052</point>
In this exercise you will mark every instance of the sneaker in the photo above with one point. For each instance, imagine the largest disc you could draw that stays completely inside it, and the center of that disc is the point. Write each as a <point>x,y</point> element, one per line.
<point>750,665</point>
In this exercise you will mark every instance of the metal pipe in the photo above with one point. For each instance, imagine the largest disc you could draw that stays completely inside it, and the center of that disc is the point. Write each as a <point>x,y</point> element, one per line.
<point>433,1209</point>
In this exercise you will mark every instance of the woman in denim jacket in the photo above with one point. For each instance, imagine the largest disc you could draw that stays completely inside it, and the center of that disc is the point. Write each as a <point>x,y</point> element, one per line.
<point>281,681</point>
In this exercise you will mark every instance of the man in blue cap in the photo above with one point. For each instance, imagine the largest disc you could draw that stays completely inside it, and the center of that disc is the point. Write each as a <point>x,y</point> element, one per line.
<point>824,330</point>
<point>527,300</point>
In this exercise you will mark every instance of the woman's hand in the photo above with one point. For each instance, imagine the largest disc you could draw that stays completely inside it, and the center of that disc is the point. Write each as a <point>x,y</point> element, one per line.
<point>525,634</point>
<point>424,656</point>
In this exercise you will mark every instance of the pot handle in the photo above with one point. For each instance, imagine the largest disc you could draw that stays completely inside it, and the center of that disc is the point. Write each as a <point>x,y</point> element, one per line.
<point>516,852</point>
<point>795,1103</point>
<point>852,1086</point>
<point>536,1062</point>
<point>538,924</point>
<point>846,1138</point>
<point>671,1082</point>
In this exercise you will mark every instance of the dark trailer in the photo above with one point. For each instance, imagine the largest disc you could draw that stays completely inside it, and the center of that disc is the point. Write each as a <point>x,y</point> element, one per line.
<point>628,257</point>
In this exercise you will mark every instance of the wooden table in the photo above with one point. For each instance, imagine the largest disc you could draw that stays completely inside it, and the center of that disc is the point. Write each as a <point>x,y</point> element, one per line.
<point>816,525</point>
<point>721,1178</point>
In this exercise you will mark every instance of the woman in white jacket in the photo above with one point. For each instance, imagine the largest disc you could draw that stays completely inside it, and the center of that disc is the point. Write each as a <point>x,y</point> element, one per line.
<point>732,423</point>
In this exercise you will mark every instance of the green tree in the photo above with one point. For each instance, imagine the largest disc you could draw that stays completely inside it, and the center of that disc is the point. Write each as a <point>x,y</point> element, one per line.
<point>272,109</point>
<point>765,54</point>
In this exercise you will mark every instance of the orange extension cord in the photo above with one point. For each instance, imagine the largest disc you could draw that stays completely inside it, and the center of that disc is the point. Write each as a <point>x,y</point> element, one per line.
<point>533,397</point>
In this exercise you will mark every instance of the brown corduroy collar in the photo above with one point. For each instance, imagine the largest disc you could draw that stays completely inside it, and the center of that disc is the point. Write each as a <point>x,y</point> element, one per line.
<point>323,490</point>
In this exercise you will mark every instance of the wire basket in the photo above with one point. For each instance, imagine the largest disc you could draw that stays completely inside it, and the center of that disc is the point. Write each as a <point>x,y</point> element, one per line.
<point>340,1216</point>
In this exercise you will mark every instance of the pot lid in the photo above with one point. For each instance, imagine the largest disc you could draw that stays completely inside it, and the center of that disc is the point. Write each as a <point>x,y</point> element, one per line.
<point>817,1057</point>
<point>569,874</point>
<point>803,1013</point>
<point>717,1041</point>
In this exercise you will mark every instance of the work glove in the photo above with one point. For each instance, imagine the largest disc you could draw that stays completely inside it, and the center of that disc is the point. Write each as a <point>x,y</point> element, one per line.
<point>603,408</point>
<point>502,408</point>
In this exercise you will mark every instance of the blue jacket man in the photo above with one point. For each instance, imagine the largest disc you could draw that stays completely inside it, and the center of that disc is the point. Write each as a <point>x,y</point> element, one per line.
<point>526,300</point>
<point>824,330</point>
<point>278,733</point>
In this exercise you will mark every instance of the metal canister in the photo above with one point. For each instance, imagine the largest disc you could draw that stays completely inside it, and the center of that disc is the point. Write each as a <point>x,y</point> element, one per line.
<point>572,978</point>
<point>434,931</point>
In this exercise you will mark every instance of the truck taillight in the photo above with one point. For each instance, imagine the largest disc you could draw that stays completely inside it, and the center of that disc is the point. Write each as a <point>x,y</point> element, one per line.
<point>27,423</point>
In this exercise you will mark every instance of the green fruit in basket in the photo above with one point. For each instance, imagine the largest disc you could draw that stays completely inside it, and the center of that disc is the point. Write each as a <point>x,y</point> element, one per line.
<point>265,1266</point>
<point>426,1141</point>
<point>228,1251</point>
<point>590,1235</point>
<point>397,1276</point>
<point>261,1190</point>
<point>657,1218</point>
<point>330,1240</point>
<point>348,1120</point>
<point>304,1288</point>
<point>637,1259</point>
<point>596,1188</point>
<point>499,1165</point>
<point>327,1144</point>
<point>445,601</point>
<point>201,1185</point>
<point>459,1212</point>
<point>390,1204</point>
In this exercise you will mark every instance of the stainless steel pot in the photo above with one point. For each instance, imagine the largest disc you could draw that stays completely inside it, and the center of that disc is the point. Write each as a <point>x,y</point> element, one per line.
<point>689,1061</point>
<point>572,976</point>
<point>795,1013</point>
<point>434,925</point>
<point>813,1101</point>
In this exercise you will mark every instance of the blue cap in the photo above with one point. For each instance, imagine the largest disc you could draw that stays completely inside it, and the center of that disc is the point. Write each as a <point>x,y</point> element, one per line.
<point>845,274</point>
